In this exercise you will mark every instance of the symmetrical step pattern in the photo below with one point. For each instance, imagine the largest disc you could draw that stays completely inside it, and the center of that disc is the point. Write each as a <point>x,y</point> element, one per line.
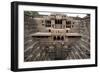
<point>35,51</point>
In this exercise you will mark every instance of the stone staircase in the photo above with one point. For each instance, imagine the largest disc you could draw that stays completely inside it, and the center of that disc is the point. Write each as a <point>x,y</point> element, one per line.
<point>35,51</point>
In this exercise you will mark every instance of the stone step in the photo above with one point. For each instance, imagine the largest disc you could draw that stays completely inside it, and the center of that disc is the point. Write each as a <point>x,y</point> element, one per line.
<point>31,46</point>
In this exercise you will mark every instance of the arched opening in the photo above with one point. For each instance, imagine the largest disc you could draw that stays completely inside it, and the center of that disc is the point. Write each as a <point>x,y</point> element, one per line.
<point>66,31</point>
<point>49,30</point>
<point>54,38</point>
<point>58,38</point>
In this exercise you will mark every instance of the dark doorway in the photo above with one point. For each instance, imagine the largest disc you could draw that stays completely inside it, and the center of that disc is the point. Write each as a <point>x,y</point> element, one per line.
<point>54,38</point>
<point>49,30</point>
<point>58,38</point>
